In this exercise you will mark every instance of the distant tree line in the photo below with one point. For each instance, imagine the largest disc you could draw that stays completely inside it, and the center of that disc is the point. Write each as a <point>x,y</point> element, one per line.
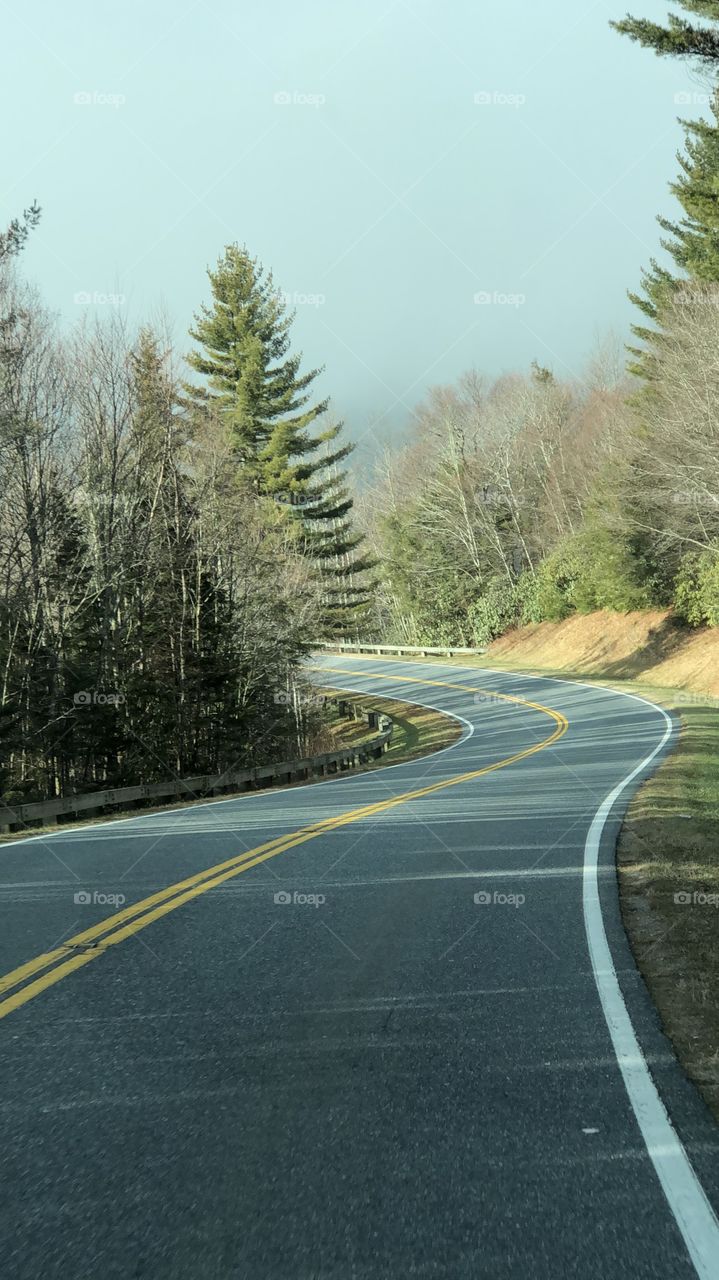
<point>534,498</point>
<point>170,544</point>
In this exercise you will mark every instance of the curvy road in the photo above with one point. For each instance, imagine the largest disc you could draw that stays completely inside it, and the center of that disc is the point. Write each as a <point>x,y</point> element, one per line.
<point>386,1025</point>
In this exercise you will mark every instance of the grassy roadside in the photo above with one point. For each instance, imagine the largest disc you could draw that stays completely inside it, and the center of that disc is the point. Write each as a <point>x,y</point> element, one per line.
<point>668,867</point>
<point>668,861</point>
<point>417,732</point>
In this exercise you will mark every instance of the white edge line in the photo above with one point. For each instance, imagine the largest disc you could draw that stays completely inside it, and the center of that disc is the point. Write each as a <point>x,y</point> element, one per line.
<point>692,1210</point>
<point>258,795</point>
<point>687,1199</point>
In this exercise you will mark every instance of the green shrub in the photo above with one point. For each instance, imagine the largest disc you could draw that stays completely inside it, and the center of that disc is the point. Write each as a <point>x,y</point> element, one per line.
<point>527,599</point>
<point>595,569</point>
<point>494,612</point>
<point>556,580</point>
<point>696,589</point>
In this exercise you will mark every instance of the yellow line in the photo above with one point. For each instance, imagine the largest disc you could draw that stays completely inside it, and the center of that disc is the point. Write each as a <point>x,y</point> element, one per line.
<point>132,919</point>
<point>96,931</point>
<point>444,684</point>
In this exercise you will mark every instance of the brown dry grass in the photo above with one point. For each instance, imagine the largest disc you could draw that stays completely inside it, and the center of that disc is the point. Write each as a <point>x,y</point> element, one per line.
<point>669,851</point>
<point>650,646</point>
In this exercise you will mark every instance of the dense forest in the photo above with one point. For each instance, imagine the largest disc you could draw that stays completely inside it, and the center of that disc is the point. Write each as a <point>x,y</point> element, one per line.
<point>172,539</point>
<point>532,497</point>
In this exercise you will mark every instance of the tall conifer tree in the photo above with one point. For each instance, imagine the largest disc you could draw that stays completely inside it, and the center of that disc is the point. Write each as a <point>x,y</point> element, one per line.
<point>252,379</point>
<point>693,241</point>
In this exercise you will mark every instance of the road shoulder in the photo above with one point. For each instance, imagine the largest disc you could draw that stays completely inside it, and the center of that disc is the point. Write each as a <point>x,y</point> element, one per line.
<point>666,849</point>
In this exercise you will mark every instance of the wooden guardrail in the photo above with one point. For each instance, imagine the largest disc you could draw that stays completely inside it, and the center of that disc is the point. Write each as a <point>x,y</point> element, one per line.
<point>424,651</point>
<point>16,817</point>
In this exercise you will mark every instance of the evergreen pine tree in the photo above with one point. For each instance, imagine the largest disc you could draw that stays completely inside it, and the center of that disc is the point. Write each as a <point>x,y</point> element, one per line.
<point>693,241</point>
<point>253,381</point>
<point>13,238</point>
<point>679,38</point>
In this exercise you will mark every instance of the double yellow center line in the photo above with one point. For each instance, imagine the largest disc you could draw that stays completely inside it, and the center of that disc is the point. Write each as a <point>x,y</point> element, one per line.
<point>34,977</point>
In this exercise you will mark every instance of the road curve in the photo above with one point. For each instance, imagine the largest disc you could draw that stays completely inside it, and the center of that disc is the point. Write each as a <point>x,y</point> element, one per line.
<point>387,1025</point>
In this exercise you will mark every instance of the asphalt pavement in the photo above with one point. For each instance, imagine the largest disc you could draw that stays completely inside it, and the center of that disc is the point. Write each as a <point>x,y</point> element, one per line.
<point>385,1025</point>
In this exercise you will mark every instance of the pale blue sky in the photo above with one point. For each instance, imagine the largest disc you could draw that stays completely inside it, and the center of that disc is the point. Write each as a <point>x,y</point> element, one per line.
<point>382,189</point>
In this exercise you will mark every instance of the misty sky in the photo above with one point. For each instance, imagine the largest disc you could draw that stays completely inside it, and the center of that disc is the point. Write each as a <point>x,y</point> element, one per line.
<point>438,184</point>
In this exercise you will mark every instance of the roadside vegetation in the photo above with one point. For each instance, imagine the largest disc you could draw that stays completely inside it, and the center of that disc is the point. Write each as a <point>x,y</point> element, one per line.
<point>669,886</point>
<point>417,731</point>
<point>533,497</point>
<point>171,539</point>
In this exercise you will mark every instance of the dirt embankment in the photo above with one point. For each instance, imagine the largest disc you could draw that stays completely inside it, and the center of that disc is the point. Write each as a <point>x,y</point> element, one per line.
<point>648,646</point>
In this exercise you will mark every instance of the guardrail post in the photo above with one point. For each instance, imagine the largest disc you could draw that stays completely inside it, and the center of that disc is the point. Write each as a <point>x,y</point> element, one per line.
<point>98,802</point>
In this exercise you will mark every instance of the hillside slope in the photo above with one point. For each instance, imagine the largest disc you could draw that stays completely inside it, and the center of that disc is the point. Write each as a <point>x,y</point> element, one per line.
<point>647,645</point>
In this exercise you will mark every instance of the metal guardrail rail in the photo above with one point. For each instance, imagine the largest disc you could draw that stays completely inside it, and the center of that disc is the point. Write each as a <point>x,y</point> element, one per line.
<point>16,817</point>
<point>424,651</point>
